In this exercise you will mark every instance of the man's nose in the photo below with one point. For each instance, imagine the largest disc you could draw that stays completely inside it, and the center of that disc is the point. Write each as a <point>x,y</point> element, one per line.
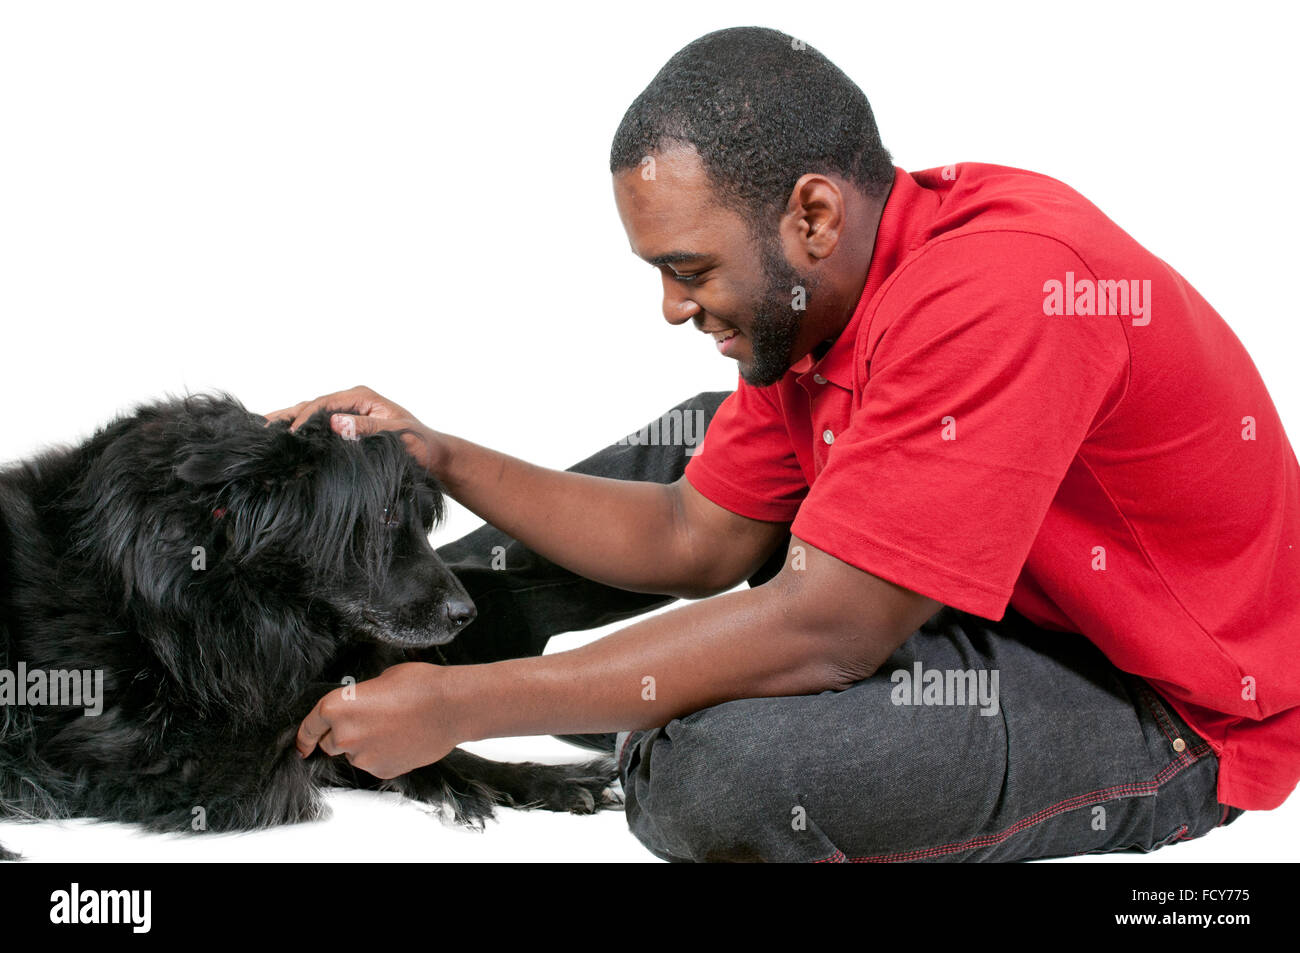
<point>678,306</point>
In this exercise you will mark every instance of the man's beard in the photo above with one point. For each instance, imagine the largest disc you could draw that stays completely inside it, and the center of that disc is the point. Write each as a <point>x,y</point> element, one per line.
<point>775,324</point>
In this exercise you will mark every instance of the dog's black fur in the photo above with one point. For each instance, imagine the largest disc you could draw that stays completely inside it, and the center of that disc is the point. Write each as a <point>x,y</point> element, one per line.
<point>317,566</point>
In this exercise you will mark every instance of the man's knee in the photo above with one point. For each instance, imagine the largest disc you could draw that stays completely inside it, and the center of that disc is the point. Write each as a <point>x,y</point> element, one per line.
<point>686,793</point>
<point>727,784</point>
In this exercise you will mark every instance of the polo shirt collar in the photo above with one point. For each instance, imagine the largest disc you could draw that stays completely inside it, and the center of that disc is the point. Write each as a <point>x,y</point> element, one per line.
<point>904,226</point>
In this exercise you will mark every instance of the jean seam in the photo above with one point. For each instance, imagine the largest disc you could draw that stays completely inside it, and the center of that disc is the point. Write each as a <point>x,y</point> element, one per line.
<point>1158,712</point>
<point>1115,792</point>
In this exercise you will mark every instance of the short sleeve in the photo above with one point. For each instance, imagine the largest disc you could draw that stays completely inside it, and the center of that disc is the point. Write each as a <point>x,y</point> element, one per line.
<point>974,407</point>
<point>747,463</point>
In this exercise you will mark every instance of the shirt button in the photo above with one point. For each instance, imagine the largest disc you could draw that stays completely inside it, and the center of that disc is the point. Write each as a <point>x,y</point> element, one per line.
<point>819,379</point>
<point>828,436</point>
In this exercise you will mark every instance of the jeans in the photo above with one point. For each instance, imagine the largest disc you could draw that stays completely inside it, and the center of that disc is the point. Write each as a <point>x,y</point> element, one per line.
<point>975,741</point>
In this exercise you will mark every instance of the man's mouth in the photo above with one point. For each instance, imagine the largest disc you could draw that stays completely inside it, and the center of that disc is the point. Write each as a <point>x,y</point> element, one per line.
<point>721,338</point>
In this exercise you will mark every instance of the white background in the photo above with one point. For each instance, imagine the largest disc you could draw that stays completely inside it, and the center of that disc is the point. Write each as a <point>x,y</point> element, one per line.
<point>284,199</point>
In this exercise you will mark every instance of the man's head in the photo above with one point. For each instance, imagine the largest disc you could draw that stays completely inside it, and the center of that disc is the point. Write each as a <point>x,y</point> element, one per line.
<point>747,163</point>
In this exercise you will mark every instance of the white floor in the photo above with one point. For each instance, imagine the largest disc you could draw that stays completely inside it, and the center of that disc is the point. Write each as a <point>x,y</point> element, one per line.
<point>365,826</point>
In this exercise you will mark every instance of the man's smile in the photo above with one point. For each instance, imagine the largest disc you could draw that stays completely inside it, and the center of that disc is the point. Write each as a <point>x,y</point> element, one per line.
<point>723,338</point>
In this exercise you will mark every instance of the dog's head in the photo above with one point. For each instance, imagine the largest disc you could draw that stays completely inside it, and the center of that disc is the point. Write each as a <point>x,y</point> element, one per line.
<point>320,532</point>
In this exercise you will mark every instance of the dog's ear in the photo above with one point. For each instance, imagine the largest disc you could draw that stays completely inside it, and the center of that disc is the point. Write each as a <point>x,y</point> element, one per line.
<point>270,457</point>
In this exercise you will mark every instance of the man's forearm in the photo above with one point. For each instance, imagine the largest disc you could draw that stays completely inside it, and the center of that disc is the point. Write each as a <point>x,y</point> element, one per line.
<point>619,532</point>
<point>740,645</point>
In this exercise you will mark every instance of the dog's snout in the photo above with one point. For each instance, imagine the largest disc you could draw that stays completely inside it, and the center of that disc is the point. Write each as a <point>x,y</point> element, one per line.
<point>459,612</point>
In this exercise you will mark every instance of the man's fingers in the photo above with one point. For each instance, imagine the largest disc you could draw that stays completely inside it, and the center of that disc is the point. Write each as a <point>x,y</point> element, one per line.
<point>333,402</point>
<point>330,746</point>
<point>313,731</point>
<point>357,400</point>
<point>288,413</point>
<point>360,401</point>
<point>351,427</point>
<point>299,414</point>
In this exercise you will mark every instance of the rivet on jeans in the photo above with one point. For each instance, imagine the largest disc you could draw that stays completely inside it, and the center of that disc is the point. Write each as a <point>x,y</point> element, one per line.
<point>1179,744</point>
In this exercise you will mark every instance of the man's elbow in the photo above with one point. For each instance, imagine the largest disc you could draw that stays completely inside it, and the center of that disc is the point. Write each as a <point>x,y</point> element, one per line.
<point>841,649</point>
<point>819,670</point>
<point>839,661</point>
<point>701,576</point>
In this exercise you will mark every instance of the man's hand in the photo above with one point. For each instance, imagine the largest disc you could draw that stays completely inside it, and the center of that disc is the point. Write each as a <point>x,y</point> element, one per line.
<point>386,726</point>
<point>361,412</point>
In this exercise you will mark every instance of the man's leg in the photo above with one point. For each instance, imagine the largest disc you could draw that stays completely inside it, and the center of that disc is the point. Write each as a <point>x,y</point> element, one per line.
<point>1072,757</point>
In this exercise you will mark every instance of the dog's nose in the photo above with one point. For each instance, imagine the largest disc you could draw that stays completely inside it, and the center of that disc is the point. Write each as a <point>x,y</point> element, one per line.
<point>459,612</point>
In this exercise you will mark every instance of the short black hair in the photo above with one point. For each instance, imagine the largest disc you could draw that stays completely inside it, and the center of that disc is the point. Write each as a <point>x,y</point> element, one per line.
<point>761,108</point>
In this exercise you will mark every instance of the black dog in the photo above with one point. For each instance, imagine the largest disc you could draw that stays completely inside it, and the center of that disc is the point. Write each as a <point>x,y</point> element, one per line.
<point>220,576</point>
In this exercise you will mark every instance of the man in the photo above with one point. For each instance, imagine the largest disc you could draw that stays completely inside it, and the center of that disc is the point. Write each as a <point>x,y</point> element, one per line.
<point>965,396</point>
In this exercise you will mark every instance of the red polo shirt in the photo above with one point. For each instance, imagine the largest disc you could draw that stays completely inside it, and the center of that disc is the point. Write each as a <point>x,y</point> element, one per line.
<point>1029,408</point>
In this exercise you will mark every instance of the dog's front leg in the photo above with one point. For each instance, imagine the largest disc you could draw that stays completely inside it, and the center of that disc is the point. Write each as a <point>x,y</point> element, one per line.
<point>473,786</point>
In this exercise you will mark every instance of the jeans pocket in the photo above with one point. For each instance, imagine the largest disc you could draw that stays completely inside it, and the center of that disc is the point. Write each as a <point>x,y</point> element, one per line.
<point>1181,739</point>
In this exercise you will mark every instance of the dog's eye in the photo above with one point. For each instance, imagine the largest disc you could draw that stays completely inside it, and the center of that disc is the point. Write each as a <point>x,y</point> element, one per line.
<point>390,516</point>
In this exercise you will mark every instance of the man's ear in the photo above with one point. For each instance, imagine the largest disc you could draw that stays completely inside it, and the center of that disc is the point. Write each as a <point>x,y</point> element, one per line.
<point>815,215</point>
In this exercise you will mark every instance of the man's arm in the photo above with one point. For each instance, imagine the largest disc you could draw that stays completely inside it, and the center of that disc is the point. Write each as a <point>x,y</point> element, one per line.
<point>646,537</point>
<point>820,624</point>
<point>818,628</point>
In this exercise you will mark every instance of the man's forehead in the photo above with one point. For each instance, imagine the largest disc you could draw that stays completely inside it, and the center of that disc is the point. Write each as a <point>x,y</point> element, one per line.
<point>668,207</point>
<point>679,163</point>
<point>664,183</point>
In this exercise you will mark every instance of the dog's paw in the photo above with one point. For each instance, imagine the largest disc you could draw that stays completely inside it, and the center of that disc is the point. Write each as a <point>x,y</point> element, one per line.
<point>582,788</point>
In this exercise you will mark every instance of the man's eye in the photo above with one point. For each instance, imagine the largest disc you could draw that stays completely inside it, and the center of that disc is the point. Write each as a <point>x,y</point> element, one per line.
<point>685,278</point>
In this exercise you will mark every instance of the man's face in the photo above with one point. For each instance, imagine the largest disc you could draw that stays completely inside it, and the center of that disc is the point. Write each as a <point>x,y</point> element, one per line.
<point>741,292</point>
